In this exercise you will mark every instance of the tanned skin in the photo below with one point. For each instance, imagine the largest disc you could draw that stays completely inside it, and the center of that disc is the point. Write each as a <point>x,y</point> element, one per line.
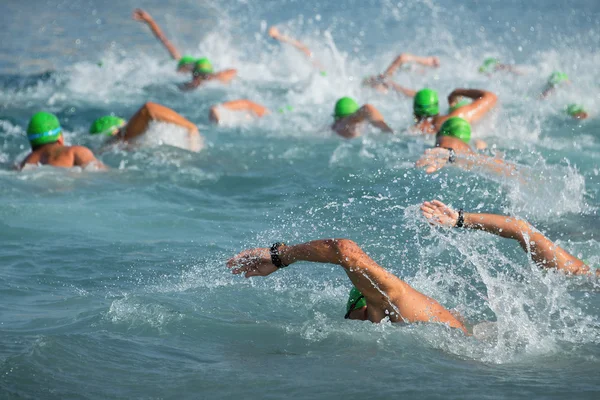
<point>541,249</point>
<point>383,82</point>
<point>349,127</point>
<point>483,102</point>
<point>386,294</point>
<point>58,155</point>
<point>242,105</point>
<point>140,121</point>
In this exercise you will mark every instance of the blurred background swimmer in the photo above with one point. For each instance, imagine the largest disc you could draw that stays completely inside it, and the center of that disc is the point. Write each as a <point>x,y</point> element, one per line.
<point>349,118</point>
<point>204,73</point>
<point>185,63</point>
<point>384,82</point>
<point>48,146</point>
<point>426,108</point>
<point>118,130</point>
<point>251,109</point>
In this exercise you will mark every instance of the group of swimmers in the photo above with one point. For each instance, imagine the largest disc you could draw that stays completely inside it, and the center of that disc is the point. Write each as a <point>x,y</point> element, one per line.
<point>377,294</point>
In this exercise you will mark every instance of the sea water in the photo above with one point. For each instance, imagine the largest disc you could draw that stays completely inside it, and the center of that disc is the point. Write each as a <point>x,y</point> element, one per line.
<point>114,285</point>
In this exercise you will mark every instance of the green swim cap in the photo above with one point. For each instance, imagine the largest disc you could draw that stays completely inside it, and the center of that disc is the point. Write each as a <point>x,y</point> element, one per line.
<point>456,127</point>
<point>106,125</point>
<point>489,65</point>
<point>354,295</point>
<point>286,108</point>
<point>203,67</point>
<point>344,107</point>
<point>426,103</point>
<point>186,60</point>
<point>574,109</point>
<point>557,78</point>
<point>456,106</point>
<point>43,128</point>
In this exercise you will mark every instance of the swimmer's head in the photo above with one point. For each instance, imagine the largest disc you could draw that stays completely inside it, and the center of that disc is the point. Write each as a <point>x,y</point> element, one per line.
<point>489,65</point>
<point>459,104</point>
<point>108,125</point>
<point>576,111</point>
<point>43,128</point>
<point>344,107</point>
<point>557,78</point>
<point>426,103</point>
<point>355,307</point>
<point>186,64</point>
<point>456,127</point>
<point>203,67</point>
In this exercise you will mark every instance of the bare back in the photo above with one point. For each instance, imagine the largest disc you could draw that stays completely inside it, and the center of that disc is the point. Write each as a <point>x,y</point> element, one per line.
<point>58,155</point>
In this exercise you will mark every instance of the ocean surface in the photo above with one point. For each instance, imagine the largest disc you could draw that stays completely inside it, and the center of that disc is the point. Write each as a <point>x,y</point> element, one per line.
<point>113,284</point>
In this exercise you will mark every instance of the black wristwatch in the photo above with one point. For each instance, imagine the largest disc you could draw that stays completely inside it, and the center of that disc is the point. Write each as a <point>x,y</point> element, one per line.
<point>452,156</point>
<point>275,255</point>
<point>460,222</point>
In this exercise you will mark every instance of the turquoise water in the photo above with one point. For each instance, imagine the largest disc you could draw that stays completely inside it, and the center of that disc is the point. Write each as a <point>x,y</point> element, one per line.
<point>114,285</point>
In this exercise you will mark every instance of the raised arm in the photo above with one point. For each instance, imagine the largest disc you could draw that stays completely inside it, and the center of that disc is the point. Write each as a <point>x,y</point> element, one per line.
<point>541,249</point>
<point>138,124</point>
<point>237,105</point>
<point>401,89</point>
<point>405,58</point>
<point>437,158</point>
<point>383,290</point>
<point>483,101</point>
<point>143,16</point>
<point>275,34</point>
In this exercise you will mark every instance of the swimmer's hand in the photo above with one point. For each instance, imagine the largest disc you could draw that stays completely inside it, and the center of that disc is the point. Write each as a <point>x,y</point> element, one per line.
<point>375,80</point>
<point>432,62</point>
<point>141,15</point>
<point>433,159</point>
<point>253,262</point>
<point>274,32</point>
<point>437,213</point>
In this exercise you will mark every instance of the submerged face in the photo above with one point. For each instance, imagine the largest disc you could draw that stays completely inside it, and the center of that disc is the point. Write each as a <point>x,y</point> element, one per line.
<point>359,314</point>
<point>185,68</point>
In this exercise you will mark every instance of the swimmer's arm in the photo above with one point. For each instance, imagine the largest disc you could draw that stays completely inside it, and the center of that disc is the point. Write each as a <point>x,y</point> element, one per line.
<point>143,16</point>
<point>541,249</point>
<point>237,105</point>
<point>371,114</point>
<point>401,89</point>
<point>406,58</point>
<point>138,124</point>
<point>225,76</point>
<point>275,34</point>
<point>438,157</point>
<point>509,68</point>
<point>483,101</point>
<point>380,287</point>
<point>82,157</point>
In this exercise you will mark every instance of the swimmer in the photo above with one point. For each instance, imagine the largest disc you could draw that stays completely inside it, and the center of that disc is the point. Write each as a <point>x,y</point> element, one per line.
<point>541,250</point>
<point>48,146</point>
<point>377,293</point>
<point>576,111</point>
<point>556,80</point>
<point>184,63</point>
<point>452,147</point>
<point>426,108</point>
<point>491,65</point>
<point>275,34</point>
<point>349,118</point>
<point>119,130</point>
<point>203,72</point>
<point>383,82</point>
<point>250,108</point>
